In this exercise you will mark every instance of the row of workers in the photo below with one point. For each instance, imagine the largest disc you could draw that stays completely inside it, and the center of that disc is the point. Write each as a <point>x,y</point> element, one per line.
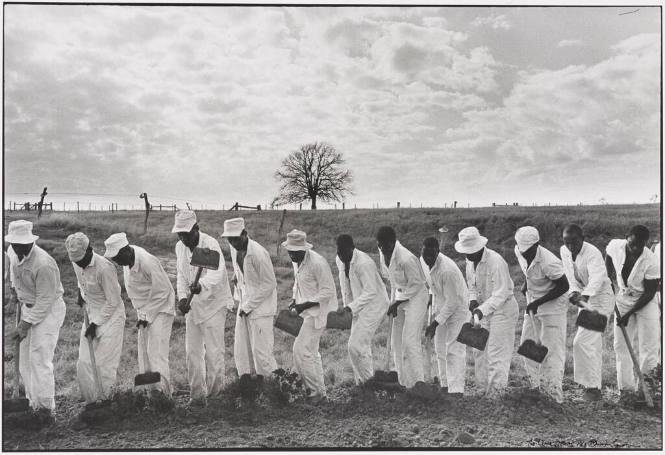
<point>580,276</point>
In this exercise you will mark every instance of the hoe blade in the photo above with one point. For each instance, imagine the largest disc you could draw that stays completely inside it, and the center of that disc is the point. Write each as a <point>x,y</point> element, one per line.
<point>288,322</point>
<point>150,377</point>
<point>337,321</point>
<point>205,258</point>
<point>15,405</point>
<point>592,320</point>
<point>385,376</point>
<point>533,351</point>
<point>474,337</point>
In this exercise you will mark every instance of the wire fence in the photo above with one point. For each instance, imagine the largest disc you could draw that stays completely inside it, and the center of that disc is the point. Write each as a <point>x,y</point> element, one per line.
<point>112,202</point>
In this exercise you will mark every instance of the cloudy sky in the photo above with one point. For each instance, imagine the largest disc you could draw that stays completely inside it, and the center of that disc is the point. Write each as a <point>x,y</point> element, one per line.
<point>428,105</point>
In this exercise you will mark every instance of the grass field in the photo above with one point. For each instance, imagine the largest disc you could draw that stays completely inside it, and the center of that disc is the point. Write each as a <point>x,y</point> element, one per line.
<point>601,223</point>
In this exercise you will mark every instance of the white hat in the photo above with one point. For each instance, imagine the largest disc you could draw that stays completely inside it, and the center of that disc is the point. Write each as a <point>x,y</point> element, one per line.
<point>114,244</point>
<point>296,241</point>
<point>77,245</point>
<point>470,240</point>
<point>526,237</point>
<point>233,227</point>
<point>185,220</point>
<point>20,231</point>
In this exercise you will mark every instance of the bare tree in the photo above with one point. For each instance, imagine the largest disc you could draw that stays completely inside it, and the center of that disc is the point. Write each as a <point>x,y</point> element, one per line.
<point>313,172</point>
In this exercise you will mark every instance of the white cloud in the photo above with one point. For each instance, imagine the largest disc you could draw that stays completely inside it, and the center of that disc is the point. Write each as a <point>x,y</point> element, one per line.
<point>495,22</point>
<point>127,97</point>
<point>569,43</point>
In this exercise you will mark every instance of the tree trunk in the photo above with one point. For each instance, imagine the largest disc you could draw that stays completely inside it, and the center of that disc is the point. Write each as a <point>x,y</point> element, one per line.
<point>313,201</point>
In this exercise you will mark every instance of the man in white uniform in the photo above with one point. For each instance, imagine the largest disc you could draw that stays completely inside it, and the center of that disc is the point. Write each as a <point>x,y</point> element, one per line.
<point>365,297</point>
<point>633,270</point>
<point>256,290</point>
<point>408,308</point>
<point>205,317</point>
<point>449,305</point>
<point>545,288</point>
<point>492,300</point>
<point>99,292</point>
<point>35,278</point>
<point>152,296</point>
<point>314,297</point>
<point>585,269</point>
<point>659,298</point>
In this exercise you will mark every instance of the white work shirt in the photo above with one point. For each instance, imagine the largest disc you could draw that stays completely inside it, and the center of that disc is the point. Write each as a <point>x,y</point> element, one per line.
<point>256,282</point>
<point>656,252</point>
<point>450,296</point>
<point>314,282</point>
<point>148,286</point>
<point>100,289</point>
<point>587,274</point>
<point>36,280</point>
<point>215,291</point>
<point>364,286</point>
<point>540,276</point>
<point>490,283</point>
<point>645,268</point>
<point>405,274</point>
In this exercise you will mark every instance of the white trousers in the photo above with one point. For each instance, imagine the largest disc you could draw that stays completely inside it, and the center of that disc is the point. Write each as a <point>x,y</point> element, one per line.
<point>204,350</point>
<point>261,359</point>
<point>547,376</point>
<point>407,348</point>
<point>156,338</point>
<point>363,327</point>
<point>450,354</point>
<point>643,331</point>
<point>36,358</point>
<point>107,350</point>
<point>306,356</point>
<point>493,364</point>
<point>588,346</point>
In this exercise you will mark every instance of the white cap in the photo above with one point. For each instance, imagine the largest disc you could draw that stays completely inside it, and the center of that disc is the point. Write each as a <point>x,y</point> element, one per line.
<point>185,220</point>
<point>20,231</point>
<point>296,241</point>
<point>526,237</point>
<point>470,240</point>
<point>77,245</point>
<point>114,244</point>
<point>233,227</point>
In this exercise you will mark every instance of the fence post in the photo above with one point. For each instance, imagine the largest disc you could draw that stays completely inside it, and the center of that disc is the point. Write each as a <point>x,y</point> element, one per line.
<point>279,232</point>
<point>147,211</point>
<point>41,203</point>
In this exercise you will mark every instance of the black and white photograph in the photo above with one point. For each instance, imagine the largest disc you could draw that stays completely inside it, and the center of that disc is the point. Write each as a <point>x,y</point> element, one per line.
<point>332,226</point>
